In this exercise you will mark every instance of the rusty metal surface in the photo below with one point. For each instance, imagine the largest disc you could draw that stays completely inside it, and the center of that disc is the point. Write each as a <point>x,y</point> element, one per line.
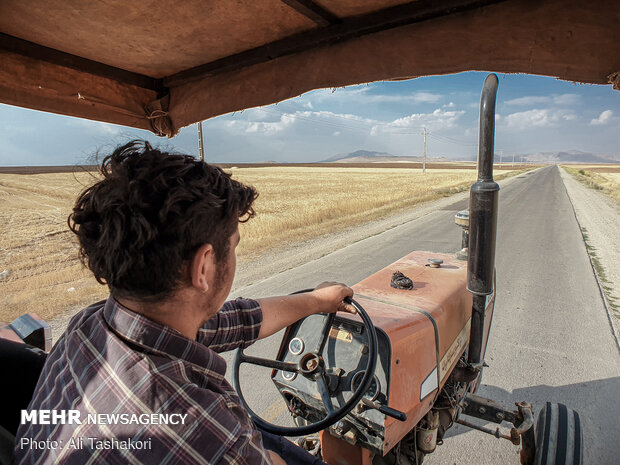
<point>6,332</point>
<point>488,409</point>
<point>405,316</point>
<point>338,452</point>
<point>526,432</point>
<point>497,432</point>
<point>488,319</point>
<point>522,433</point>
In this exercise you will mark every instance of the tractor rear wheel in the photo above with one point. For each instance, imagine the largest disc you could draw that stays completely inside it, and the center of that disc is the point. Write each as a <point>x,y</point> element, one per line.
<point>558,436</point>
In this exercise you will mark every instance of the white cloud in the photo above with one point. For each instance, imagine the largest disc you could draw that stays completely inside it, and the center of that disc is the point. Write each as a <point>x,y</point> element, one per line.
<point>527,101</point>
<point>363,93</point>
<point>323,114</point>
<point>263,127</point>
<point>276,121</point>
<point>342,126</point>
<point>556,99</point>
<point>96,126</point>
<point>603,118</point>
<point>416,97</point>
<point>538,118</point>
<point>438,119</point>
<point>566,99</point>
<point>449,105</point>
<point>424,97</point>
<point>258,114</point>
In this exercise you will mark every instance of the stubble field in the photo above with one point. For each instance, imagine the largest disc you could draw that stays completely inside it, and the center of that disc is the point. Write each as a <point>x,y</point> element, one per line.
<point>604,178</point>
<point>45,276</point>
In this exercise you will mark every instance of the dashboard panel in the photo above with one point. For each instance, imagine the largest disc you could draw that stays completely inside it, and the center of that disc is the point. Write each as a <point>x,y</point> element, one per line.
<point>345,357</point>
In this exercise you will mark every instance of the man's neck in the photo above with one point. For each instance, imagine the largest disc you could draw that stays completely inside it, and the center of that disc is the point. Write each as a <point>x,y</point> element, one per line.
<point>182,312</point>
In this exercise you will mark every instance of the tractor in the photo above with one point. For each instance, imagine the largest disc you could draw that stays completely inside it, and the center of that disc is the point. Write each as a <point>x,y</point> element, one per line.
<point>385,386</point>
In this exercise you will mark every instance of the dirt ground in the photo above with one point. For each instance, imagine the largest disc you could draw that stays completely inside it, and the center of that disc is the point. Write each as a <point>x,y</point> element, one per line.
<point>599,218</point>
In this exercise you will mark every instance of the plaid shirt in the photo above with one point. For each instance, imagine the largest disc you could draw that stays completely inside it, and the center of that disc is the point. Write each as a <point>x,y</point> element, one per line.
<point>114,361</point>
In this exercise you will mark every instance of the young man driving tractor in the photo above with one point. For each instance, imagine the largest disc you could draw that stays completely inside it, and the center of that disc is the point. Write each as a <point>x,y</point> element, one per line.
<point>160,229</point>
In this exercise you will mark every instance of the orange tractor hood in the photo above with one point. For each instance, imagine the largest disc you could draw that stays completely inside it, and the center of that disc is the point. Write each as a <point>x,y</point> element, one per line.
<point>428,328</point>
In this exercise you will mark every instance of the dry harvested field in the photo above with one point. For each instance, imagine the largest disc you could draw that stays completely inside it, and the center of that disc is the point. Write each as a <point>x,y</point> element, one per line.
<point>37,248</point>
<point>604,178</point>
<point>461,165</point>
<point>612,168</point>
<point>295,203</point>
<point>467,165</point>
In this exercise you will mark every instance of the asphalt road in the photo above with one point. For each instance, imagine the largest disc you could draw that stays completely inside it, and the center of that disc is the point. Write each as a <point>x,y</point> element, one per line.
<point>550,341</point>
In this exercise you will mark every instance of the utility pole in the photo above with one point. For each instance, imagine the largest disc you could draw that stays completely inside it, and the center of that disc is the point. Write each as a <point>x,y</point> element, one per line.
<point>513,159</point>
<point>201,147</point>
<point>424,163</point>
<point>501,155</point>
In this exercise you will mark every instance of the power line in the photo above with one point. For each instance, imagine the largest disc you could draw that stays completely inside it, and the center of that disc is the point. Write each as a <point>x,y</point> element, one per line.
<point>364,126</point>
<point>451,140</point>
<point>306,118</point>
<point>334,115</point>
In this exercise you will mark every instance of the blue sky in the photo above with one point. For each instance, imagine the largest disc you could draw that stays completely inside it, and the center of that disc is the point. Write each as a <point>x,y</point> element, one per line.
<point>534,114</point>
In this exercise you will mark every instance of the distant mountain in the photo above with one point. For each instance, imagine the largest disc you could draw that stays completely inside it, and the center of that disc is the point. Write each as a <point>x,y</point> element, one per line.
<point>358,153</point>
<point>569,156</point>
<point>366,156</point>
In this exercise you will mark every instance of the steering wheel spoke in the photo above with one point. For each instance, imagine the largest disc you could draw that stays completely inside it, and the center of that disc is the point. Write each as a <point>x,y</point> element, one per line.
<point>327,326</point>
<point>268,363</point>
<point>324,391</point>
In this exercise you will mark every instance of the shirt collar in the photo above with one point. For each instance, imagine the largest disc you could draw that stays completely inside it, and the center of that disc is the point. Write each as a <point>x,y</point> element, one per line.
<point>155,337</point>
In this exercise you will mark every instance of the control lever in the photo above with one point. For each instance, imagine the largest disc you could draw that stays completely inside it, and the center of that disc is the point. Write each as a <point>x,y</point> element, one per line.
<point>384,409</point>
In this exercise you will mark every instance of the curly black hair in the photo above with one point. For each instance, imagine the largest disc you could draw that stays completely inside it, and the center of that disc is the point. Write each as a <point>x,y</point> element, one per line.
<point>140,225</point>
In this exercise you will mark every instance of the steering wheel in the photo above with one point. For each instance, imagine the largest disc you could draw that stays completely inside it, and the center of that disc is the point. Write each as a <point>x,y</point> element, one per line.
<point>312,366</point>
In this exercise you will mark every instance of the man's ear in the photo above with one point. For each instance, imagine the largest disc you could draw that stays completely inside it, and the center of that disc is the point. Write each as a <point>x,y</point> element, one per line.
<point>203,267</point>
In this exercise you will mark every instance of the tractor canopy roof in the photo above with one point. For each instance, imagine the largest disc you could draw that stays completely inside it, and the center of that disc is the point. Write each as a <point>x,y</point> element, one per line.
<point>163,65</point>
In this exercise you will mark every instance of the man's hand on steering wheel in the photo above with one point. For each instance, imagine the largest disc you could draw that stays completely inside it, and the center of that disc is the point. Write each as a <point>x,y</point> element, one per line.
<point>280,312</point>
<point>331,297</point>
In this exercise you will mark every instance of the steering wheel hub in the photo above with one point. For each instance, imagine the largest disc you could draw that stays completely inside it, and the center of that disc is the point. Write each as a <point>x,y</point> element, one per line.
<point>311,363</point>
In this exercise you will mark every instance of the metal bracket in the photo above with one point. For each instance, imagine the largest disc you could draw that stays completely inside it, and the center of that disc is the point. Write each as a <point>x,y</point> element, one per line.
<point>522,432</point>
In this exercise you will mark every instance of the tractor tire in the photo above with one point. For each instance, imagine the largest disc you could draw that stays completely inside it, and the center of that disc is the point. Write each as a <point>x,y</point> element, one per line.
<point>558,436</point>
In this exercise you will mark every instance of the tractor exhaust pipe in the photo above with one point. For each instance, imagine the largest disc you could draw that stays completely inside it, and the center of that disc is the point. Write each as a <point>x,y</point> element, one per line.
<point>483,198</point>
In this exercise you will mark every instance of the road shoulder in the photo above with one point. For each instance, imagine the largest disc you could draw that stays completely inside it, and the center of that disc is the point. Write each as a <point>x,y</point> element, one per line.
<point>598,217</point>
